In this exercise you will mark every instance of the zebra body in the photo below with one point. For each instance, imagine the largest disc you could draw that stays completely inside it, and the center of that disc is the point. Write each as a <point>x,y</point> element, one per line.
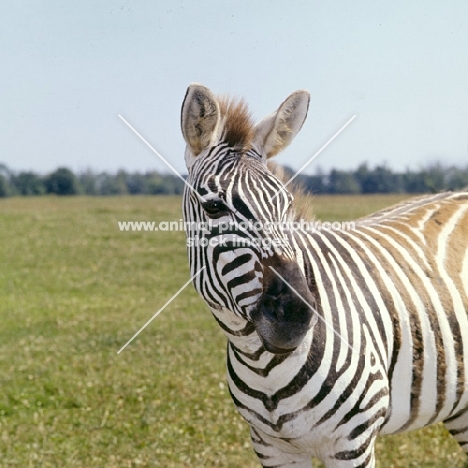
<point>383,324</point>
<point>334,336</point>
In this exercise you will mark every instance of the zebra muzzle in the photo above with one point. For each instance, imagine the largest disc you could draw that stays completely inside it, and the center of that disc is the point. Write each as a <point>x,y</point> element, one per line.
<point>284,314</point>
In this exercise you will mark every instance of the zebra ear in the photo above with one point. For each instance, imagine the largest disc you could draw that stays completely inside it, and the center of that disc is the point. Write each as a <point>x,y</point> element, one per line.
<point>199,118</point>
<point>276,131</point>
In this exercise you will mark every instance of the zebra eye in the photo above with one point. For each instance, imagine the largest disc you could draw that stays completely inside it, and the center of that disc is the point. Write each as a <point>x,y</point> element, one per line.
<point>214,208</point>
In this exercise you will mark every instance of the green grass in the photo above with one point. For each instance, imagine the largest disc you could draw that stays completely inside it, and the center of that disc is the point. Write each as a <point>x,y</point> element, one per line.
<point>74,290</point>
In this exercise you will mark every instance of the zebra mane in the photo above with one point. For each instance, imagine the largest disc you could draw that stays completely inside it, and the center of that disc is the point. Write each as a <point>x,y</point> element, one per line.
<point>237,125</point>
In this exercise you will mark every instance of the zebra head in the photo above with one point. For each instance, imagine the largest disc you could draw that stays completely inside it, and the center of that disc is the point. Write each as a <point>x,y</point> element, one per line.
<point>234,211</point>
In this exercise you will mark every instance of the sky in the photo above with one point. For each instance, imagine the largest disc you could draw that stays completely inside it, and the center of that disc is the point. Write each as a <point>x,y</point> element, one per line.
<point>69,69</point>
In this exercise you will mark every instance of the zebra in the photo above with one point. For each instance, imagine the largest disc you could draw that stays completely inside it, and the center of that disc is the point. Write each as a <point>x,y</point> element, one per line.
<point>334,337</point>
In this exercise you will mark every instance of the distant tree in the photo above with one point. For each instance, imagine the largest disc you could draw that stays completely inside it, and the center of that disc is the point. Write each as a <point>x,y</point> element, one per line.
<point>137,184</point>
<point>314,183</point>
<point>114,184</point>
<point>173,185</point>
<point>413,182</point>
<point>361,175</point>
<point>159,184</point>
<point>5,171</point>
<point>62,182</point>
<point>28,183</point>
<point>88,182</point>
<point>457,178</point>
<point>434,178</point>
<point>343,182</point>
<point>378,180</point>
<point>4,186</point>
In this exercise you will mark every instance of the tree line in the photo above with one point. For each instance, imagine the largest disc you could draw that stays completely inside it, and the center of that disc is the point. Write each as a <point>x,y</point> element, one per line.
<point>64,182</point>
<point>381,179</point>
<point>363,180</point>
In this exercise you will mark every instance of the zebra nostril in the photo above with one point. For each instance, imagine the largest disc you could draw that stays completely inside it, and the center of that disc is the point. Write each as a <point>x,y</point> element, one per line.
<point>273,310</point>
<point>273,306</point>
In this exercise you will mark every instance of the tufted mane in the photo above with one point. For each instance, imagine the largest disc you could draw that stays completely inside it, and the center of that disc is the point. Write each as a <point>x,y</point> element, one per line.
<point>238,132</point>
<point>237,123</point>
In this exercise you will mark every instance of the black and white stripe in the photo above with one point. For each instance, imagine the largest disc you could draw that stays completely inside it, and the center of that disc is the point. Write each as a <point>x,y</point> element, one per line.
<point>390,350</point>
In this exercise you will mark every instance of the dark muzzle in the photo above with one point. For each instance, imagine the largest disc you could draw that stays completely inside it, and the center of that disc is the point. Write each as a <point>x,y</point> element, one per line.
<point>285,312</point>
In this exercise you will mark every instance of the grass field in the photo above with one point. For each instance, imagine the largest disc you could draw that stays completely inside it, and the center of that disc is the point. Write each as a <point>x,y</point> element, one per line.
<point>74,290</point>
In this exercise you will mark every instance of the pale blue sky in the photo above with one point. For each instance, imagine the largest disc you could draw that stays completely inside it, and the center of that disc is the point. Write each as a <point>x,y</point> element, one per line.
<point>68,69</point>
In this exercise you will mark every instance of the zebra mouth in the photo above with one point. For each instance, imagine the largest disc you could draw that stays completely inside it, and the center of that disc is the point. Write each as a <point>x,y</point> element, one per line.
<point>284,314</point>
<point>282,339</point>
<point>282,323</point>
<point>271,348</point>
